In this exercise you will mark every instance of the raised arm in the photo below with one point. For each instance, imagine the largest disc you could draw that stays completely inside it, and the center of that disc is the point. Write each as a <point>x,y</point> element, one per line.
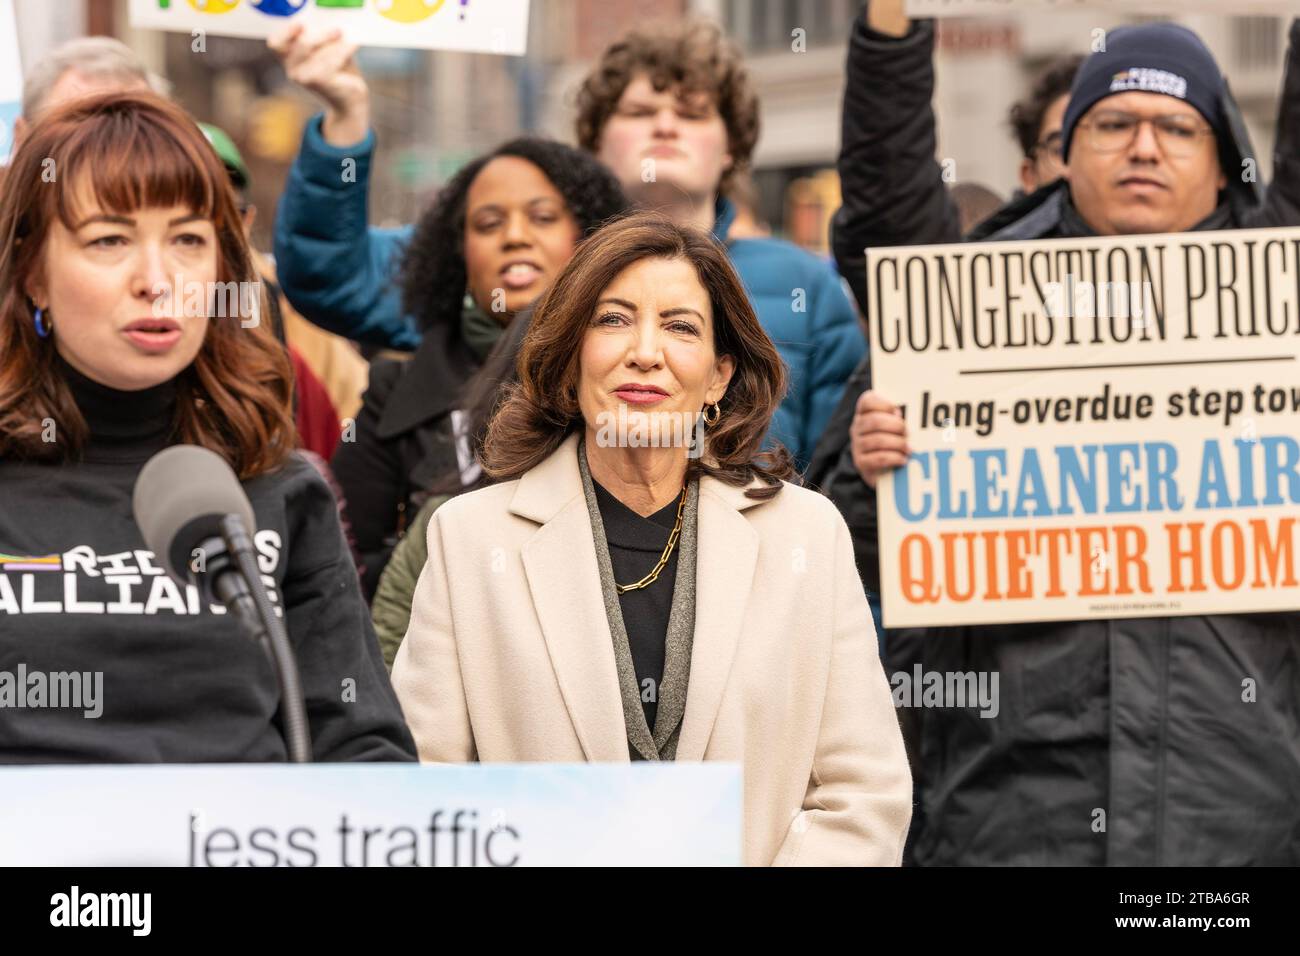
<point>336,270</point>
<point>892,185</point>
<point>1282,200</point>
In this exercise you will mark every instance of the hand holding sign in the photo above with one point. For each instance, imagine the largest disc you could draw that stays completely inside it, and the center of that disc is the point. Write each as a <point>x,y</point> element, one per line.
<point>1108,431</point>
<point>878,437</point>
<point>324,62</point>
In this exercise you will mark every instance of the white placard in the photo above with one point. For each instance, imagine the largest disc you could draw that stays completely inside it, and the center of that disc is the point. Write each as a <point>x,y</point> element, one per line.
<point>1099,427</point>
<point>669,814</point>
<point>985,8</point>
<point>483,26</point>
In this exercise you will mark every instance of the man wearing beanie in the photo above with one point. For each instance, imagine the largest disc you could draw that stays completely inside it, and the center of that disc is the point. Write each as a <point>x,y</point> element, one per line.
<point>1121,742</point>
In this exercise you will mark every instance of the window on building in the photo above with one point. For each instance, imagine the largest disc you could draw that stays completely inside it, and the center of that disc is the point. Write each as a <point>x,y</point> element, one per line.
<point>1255,42</point>
<point>762,26</point>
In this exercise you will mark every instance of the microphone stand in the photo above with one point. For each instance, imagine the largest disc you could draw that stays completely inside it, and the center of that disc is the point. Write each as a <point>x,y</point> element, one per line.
<point>237,584</point>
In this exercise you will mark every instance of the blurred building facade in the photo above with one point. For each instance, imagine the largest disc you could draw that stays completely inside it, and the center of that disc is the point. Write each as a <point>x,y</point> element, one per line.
<point>796,51</point>
<point>433,111</point>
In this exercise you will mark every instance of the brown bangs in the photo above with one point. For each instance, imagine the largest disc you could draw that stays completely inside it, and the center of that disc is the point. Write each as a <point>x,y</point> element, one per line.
<point>129,163</point>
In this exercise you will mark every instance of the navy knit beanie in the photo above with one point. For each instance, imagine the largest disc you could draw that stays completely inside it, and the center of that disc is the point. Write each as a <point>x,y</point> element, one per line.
<point>1150,58</point>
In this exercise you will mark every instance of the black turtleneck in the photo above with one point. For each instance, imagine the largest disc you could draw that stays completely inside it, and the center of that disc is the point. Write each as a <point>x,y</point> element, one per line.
<point>635,545</point>
<point>80,593</point>
<point>125,427</point>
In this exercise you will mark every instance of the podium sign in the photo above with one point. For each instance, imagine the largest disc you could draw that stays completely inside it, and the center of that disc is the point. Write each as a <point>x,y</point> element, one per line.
<point>372,815</point>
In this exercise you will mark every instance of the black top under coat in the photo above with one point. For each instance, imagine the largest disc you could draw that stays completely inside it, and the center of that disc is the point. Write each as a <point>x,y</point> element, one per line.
<point>635,546</point>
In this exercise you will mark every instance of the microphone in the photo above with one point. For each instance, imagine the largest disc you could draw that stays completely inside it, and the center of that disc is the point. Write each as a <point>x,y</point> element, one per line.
<point>196,518</point>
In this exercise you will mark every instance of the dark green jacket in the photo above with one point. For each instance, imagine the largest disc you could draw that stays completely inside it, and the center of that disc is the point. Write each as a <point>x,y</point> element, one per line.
<point>391,610</point>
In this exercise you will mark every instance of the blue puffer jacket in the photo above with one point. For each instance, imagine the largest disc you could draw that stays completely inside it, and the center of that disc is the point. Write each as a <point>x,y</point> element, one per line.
<point>341,273</point>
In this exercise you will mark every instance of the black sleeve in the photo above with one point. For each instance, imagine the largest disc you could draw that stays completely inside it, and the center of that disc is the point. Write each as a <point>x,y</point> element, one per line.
<point>892,186</point>
<point>351,707</point>
<point>856,501</point>
<point>370,472</point>
<point>1282,200</point>
<point>835,436</point>
<point>833,474</point>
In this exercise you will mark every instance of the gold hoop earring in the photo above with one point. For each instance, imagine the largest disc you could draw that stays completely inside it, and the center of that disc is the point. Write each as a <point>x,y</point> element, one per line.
<point>717,415</point>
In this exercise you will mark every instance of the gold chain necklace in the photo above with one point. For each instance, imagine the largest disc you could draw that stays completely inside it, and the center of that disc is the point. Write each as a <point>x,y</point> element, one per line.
<point>650,578</point>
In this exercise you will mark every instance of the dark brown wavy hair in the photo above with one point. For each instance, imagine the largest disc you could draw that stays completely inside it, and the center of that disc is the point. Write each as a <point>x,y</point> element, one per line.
<point>689,56</point>
<point>134,150</point>
<point>541,410</point>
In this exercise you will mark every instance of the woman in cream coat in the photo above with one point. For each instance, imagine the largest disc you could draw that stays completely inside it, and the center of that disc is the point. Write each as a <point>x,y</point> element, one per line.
<point>548,624</point>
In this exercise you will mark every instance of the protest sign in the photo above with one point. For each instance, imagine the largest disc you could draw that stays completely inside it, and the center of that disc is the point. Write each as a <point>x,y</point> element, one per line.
<point>1100,427</point>
<point>984,8</point>
<point>487,26</point>
<point>11,77</point>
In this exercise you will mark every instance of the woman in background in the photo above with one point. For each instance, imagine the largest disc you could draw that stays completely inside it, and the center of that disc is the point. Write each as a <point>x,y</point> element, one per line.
<point>391,608</point>
<point>488,247</point>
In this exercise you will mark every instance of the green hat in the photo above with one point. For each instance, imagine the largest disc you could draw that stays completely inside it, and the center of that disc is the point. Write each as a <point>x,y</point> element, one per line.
<point>229,153</point>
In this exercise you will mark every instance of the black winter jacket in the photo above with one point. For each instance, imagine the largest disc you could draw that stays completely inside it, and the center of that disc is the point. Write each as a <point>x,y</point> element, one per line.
<point>412,437</point>
<point>1125,742</point>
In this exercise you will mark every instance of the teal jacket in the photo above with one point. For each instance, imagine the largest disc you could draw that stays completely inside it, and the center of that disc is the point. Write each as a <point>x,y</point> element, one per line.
<point>341,273</point>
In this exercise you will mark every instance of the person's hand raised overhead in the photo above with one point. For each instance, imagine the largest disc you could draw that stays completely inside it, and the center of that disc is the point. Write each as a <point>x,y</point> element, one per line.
<point>888,17</point>
<point>325,63</point>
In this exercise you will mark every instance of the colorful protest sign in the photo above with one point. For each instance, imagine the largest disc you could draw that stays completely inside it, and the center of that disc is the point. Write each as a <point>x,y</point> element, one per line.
<point>486,26</point>
<point>1099,428</point>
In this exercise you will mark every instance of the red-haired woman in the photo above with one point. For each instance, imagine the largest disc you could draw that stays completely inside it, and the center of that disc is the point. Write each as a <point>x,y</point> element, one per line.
<point>120,248</point>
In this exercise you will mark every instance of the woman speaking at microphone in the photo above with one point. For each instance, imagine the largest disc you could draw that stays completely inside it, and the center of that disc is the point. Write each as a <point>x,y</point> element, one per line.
<point>616,597</point>
<point>121,254</point>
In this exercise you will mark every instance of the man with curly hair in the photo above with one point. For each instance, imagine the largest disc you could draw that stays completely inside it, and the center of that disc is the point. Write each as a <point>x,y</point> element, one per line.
<point>670,111</point>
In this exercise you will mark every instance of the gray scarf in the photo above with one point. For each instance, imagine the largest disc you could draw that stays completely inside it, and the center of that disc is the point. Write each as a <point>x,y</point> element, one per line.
<point>662,743</point>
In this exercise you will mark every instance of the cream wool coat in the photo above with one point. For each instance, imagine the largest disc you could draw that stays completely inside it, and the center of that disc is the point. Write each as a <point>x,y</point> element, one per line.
<point>508,658</point>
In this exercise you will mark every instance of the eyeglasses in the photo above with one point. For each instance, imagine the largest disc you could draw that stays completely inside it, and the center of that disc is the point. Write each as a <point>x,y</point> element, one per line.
<point>1049,147</point>
<point>1112,131</point>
